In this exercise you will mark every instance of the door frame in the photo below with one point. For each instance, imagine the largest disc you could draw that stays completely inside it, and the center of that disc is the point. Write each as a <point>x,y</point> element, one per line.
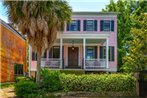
<point>78,54</point>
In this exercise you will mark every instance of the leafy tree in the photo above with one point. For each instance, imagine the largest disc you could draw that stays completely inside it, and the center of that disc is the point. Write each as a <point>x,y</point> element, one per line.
<point>127,9</point>
<point>137,57</point>
<point>39,21</point>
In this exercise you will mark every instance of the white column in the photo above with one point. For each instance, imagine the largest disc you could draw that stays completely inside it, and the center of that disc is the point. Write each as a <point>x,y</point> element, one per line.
<point>61,43</point>
<point>107,54</point>
<point>84,42</point>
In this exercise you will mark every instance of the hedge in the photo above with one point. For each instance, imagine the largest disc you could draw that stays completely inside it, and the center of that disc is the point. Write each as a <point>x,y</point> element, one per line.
<point>99,83</point>
<point>76,72</point>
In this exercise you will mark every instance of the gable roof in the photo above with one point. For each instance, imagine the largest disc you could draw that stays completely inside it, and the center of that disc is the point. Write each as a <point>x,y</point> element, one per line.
<point>11,29</point>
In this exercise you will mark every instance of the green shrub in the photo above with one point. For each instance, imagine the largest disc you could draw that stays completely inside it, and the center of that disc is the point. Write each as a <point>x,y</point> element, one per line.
<point>26,89</point>
<point>50,80</point>
<point>21,78</point>
<point>99,83</point>
<point>76,72</point>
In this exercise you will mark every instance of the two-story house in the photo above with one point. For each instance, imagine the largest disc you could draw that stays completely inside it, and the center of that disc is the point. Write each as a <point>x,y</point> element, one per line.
<point>89,43</point>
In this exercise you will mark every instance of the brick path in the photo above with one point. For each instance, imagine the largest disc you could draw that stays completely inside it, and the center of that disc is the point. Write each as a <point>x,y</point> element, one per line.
<point>7,93</point>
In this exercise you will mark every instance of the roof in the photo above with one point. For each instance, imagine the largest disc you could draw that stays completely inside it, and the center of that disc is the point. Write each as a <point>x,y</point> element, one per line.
<point>11,29</point>
<point>95,13</point>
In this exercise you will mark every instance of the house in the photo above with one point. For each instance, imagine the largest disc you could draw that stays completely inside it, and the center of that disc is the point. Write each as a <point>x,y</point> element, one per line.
<point>88,43</point>
<point>12,53</point>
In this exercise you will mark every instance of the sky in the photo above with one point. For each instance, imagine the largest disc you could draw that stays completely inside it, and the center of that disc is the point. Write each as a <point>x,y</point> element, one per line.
<point>77,5</point>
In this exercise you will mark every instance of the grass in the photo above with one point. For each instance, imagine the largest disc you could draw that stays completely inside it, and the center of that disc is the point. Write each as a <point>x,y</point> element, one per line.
<point>6,85</point>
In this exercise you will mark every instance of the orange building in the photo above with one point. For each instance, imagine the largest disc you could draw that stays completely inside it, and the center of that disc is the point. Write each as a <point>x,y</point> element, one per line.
<point>12,53</point>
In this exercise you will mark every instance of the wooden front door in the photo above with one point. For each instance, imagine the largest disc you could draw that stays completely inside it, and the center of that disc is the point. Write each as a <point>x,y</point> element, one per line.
<point>73,57</point>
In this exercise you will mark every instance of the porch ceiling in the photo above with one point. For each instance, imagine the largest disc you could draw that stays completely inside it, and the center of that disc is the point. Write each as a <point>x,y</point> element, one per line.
<point>80,41</point>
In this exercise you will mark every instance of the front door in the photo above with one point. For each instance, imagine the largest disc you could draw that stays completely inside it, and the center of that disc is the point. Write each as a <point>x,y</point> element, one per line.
<point>73,57</point>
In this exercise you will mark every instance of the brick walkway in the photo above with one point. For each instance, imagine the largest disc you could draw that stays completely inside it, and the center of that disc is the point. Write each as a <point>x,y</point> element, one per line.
<point>7,93</point>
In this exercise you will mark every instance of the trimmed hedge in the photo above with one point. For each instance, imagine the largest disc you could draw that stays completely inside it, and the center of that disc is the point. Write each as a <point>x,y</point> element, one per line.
<point>99,83</point>
<point>76,72</point>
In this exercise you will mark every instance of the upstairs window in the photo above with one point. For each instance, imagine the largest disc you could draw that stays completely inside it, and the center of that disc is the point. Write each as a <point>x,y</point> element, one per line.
<point>90,25</point>
<point>107,25</point>
<point>74,26</point>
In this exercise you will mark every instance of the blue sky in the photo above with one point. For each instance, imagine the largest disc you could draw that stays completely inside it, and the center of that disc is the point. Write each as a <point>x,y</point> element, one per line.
<point>77,5</point>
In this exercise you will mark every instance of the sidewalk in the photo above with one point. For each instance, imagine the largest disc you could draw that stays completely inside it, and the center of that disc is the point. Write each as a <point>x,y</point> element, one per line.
<point>7,93</point>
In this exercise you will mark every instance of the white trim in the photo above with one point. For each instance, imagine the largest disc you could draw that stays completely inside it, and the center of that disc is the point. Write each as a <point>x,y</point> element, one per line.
<point>81,36</point>
<point>61,44</point>
<point>84,44</point>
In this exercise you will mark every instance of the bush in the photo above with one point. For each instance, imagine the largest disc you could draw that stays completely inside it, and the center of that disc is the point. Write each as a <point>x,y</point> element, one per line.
<point>26,89</point>
<point>99,83</point>
<point>50,80</point>
<point>76,72</point>
<point>21,78</point>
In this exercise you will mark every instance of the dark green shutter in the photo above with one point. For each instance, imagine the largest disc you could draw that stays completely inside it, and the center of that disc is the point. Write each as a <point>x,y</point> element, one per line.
<point>67,27</point>
<point>78,25</point>
<point>95,52</point>
<point>101,52</point>
<point>84,27</point>
<point>95,25</point>
<point>112,53</point>
<point>101,25</point>
<point>51,53</point>
<point>112,25</point>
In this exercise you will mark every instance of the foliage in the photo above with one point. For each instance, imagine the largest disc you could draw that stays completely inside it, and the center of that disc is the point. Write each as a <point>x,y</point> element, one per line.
<point>39,21</point>
<point>126,9</point>
<point>50,80</point>
<point>6,85</point>
<point>136,60</point>
<point>77,72</point>
<point>99,83</point>
<point>26,89</point>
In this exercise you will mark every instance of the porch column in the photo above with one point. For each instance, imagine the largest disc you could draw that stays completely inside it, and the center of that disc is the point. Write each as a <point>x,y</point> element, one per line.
<point>61,43</point>
<point>84,42</point>
<point>107,54</point>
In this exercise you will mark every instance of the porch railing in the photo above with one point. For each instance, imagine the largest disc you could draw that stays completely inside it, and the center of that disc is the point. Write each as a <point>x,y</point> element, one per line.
<point>53,63</point>
<point>95,63</point>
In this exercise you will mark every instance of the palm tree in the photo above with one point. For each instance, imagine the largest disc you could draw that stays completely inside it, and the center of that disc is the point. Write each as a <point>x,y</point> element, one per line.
<point>39,21</point>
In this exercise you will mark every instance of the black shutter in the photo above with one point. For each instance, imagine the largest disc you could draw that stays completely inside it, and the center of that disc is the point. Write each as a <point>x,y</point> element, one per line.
<point>95,25</point>
<point>34,56</point>
<point>112,53</point>
<point>67,26</point>
<point>101,52</point>
<point>84,27</point>
<point>95,52</point>
<point>51,53</point>
<point>101,25</point>
<point>78,25</point>
<point>112,25</point>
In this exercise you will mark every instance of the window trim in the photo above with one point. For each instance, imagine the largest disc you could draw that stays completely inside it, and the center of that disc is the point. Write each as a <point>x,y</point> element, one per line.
<point>110,23</point>
<point>92,25</point>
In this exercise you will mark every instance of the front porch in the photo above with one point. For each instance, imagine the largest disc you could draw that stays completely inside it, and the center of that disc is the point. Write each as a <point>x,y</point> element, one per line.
<point>73,53</point>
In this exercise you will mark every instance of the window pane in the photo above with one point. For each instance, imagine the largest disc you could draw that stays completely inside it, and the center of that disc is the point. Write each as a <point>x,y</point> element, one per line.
<point>90,53</point>
<point>56,52</point>
<point>90,25</point>
<point>106,25</point>
<point>74,26</point>
<point>34,56</point>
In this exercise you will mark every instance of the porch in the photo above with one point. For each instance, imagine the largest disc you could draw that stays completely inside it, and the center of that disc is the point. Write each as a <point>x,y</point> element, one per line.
<point>77,53</point>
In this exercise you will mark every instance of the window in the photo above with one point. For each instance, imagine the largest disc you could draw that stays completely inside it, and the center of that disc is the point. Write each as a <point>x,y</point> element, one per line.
<point>90,25</point>
<point>44,55</point>
<point>103,53</point>
<point>54,52</point>
<point>107,25</point>
<point>74,26</point>
<point>91,52</point>
<point>18,69</point>
<point>34,56</point>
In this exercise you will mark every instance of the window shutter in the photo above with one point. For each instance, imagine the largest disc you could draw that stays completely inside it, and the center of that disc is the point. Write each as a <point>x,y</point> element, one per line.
<point>34,56</point>
<point>95,52</point>
<point>101,52</point>
<point>67,26</point>
<point>112,54</point>
<point>101,25</point>
<point>78,25</point>
<point>95,25</point>
<point>51,53</point>
<point>84,27</point>
<point>112,25</point>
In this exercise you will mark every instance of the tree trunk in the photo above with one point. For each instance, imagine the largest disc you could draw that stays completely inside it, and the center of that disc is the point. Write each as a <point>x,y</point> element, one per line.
<point>38,68</point>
